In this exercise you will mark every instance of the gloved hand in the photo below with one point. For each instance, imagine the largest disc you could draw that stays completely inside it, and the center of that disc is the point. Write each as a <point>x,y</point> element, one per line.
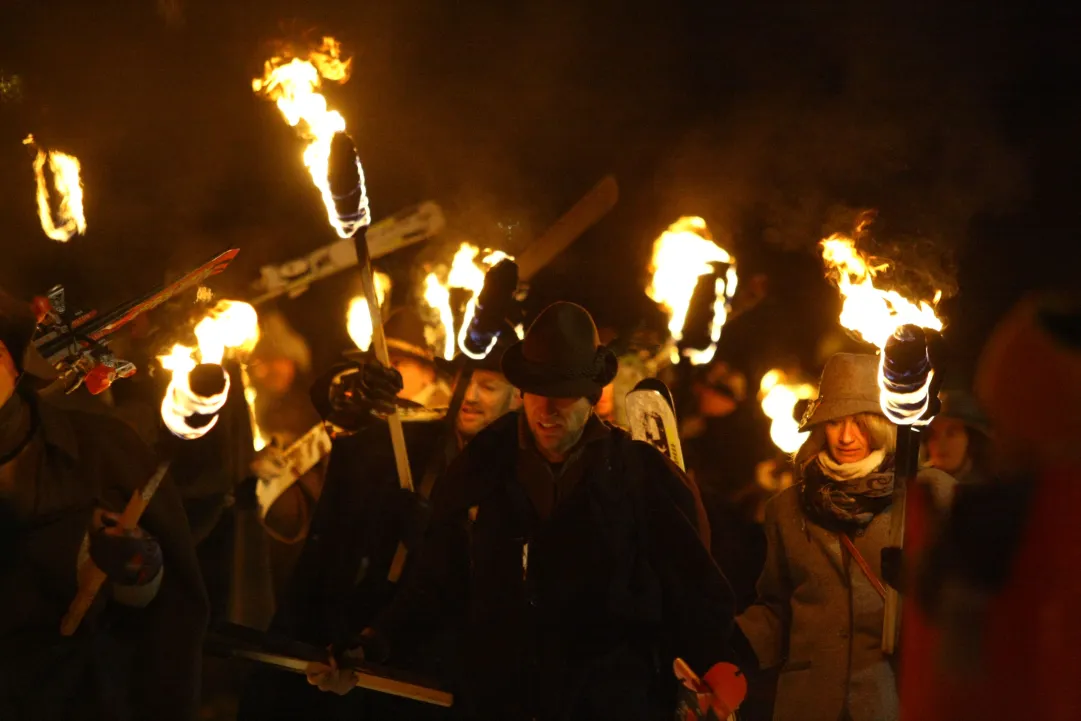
<point>330,676</point>
<point>129,558</point>
<point>363,389</point>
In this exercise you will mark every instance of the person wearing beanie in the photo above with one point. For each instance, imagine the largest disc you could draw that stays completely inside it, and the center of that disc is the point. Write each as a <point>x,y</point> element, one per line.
<point>821,600</point>
<point>567,553</point>
<point>65,475</point>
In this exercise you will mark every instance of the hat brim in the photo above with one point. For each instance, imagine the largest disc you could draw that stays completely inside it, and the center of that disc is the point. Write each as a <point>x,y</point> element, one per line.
<point>831,410</point>
<point>541,380</point>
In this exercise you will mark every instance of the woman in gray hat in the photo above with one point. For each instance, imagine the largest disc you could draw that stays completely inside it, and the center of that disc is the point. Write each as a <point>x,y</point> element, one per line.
<point>820,602</point>
<point>959,438</point>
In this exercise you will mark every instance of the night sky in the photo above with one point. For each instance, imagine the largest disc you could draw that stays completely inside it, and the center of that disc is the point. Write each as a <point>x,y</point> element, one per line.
<point>772,120</point>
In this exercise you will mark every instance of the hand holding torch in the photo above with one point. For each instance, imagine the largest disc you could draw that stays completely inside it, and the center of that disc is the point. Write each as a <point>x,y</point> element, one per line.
<point>346,180</point>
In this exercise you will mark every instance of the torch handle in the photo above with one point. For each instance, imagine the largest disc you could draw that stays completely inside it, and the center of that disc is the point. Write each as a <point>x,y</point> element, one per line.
<point>91,578</point>
<point>905,469</point>
<point>382,353</point>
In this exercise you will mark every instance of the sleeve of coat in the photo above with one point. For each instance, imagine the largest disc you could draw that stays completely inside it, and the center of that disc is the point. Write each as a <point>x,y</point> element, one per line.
<point>698,602</point>
<point>765,623</point>
<point>168,633</point>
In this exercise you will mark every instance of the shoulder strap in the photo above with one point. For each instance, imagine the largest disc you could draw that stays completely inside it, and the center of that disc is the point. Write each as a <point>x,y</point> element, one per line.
<point>862,563</point>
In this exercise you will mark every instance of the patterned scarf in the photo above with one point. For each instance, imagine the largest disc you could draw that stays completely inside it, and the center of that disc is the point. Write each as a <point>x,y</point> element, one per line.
<point>846,496</point>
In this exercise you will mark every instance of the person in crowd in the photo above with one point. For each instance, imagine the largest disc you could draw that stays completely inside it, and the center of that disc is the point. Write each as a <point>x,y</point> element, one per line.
<point>819,612</point>
<point>341,581</point>
<point>958,441</point>
<point>568,555</point>
<point>64,477</point>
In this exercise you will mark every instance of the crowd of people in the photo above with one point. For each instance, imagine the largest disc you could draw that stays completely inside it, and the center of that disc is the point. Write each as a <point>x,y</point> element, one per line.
<point>543,566</point>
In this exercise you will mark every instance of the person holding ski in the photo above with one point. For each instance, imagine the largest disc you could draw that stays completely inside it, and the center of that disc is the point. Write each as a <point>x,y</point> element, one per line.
<point>567,554</point>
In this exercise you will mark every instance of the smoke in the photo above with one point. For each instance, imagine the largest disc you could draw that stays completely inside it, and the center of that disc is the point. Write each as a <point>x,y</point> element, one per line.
<point>834,113</point>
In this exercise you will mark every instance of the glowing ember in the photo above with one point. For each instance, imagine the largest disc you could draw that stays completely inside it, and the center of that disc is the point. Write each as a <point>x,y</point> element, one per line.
<point>294,85</point>
<point>231,325</point>
<point>873,312</point>
<point>68,187</point>
<point>779,398</point>
<point>466,273</point>
<point>681,255</point>
<point>358,319</point>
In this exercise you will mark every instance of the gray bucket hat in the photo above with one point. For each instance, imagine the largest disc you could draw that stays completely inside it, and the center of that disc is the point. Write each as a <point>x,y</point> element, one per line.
<point>849,386</point>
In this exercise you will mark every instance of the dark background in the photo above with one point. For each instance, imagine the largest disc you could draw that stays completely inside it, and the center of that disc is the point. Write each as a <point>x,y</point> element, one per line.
<point>772,120</point>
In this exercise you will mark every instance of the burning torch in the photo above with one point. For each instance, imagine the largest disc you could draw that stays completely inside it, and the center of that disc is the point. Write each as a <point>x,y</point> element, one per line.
<point>906,332</point>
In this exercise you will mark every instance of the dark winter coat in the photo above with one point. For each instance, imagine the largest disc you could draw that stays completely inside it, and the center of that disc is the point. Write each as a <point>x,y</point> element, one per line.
<point>138,663</point>
<point>578,615</point>
<point>340,582</point>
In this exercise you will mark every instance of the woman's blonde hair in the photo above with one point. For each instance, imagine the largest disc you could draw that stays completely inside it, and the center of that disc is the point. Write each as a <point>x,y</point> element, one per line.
<point>880,432</point>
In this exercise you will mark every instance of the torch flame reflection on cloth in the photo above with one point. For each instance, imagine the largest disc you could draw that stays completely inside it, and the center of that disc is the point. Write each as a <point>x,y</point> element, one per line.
<point>681,255</point>
<point>779,397</point>
<point>69,218</point>
<point>229,325</point>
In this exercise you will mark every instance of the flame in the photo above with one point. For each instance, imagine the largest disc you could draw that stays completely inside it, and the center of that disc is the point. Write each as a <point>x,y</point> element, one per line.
<point>779,398</point>
<point>873,312</point>
<point>68,186</point>
<point>681,255</point>
<point>465,273</point>
<point>294,87</point>
<point>358,319</point>
<point>230,325</point>
<point>437,296</point>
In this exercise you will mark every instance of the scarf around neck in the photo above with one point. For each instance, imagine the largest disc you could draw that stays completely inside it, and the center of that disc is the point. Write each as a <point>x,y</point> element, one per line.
<point>847,495</point>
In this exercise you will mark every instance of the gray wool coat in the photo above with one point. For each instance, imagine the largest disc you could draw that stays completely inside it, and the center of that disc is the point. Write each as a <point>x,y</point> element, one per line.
<point>819,616</point>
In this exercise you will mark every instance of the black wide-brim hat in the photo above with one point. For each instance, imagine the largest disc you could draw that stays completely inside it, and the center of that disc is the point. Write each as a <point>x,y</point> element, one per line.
<point>561,356</point>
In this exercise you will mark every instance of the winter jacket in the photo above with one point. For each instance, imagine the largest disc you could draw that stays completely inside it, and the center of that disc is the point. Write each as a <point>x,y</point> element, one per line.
<point>122,663</point>
<point>577,615</point>
<point>820,618</point>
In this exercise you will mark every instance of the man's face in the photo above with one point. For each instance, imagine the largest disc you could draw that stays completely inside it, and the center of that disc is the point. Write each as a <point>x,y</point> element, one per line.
<point>416,375</point>
<point>8,374</point>
<point>488,397</point>
<point>847,441</point>
<point>947,444</point>
<point>556,423</point>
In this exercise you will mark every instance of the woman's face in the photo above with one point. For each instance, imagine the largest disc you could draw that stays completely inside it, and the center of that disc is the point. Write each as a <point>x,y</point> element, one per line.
<point>947,444</point>
<point>847,441</point>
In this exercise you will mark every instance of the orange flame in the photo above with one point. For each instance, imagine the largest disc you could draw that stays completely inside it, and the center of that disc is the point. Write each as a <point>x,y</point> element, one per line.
<point>294,87</point>
<point>230,325</point>
<point>465,273</point>
<point>779,397</point>
<point>358,319</point>
<point>65,169</point>
<point>681,255</point>
<point>873,312</point>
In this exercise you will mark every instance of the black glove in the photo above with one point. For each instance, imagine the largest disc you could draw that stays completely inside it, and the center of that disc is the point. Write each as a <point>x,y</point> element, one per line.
<point>893,567</point>
<point>130,558</point>
<point>364,388</point>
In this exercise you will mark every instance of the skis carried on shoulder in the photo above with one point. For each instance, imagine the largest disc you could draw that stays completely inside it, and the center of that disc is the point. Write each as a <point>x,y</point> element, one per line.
<point>652,417</point>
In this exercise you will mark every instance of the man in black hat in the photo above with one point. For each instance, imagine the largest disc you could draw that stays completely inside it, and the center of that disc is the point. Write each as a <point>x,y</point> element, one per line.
<point>567,553</point>
<point>340,583</point>
<point>63,476</point>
